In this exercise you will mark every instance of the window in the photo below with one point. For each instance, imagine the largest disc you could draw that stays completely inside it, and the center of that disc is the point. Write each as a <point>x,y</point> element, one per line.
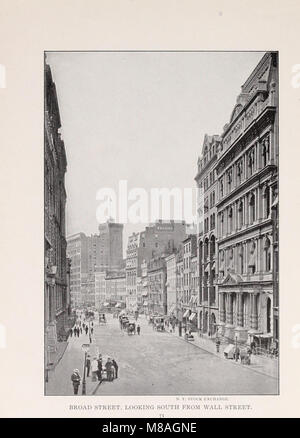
<point>212,221</point>
<point>206,225</point>
<point>267,255</point>
<point>206,204</point>
<point>241,259</point>
<point>239,170</point>
<point>221,188</point>
<point>230,220</point>
<point>229,180</point>
<point>265,151</point>
<point>252,257</point>
<point>221,224</point>
<point>205,249</point>
<point>252,208</point>
<point>241,214</point>
<point>266,202</point>
<point>212,199</point>
<point>251,162</point>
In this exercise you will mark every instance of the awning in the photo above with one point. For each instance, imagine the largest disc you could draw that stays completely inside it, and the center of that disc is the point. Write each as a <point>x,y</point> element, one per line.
<point>192,316</point>
<point>186,313</point>
<point>144,294</point>
<point>229,348</point>
<point>106,304</point>
<point>145,283</point>
<point>118,305</point>
<point>145,303</point>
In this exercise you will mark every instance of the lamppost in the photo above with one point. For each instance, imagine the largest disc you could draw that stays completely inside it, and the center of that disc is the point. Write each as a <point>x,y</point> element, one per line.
<point>236,355</point>
<point>85,348</point>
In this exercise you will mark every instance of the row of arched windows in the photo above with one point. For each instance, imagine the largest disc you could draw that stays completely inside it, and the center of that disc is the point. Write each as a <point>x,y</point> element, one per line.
<point>232,219</point>
<point>257,157</point>
<point>244,261</point>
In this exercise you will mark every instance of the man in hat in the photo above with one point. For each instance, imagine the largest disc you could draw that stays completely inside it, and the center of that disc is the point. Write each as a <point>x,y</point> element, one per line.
<point>75,377</point>
<point>94,366</point>
<point>108,367</point>
<point>99,371</point>
<point>88,365</point>
<point>115,365</point>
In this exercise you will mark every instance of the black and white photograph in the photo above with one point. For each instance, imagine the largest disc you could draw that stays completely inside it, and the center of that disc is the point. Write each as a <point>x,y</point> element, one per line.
<point>161,197</point>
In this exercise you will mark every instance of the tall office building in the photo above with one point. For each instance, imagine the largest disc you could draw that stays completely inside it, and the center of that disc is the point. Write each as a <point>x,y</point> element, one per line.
<point>110,246</point>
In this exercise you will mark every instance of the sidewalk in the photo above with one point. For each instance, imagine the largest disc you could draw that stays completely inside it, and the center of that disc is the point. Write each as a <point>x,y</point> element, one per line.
<point>259,364</point>
<point>55,356</point>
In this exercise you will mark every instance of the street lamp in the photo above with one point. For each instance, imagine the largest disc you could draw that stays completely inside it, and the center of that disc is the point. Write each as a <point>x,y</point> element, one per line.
<point>85,348</point>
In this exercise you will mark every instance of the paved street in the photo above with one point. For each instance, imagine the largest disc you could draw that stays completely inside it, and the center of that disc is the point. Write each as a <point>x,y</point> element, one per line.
<point>156,363</point>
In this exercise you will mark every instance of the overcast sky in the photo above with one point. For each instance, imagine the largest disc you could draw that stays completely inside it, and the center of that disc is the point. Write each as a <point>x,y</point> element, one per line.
<point>140,117</point>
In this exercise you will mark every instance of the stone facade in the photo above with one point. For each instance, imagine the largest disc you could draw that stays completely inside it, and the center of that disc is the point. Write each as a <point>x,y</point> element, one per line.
<point>189,300</point>
<point>110,246</point>
<point>115,287</point>
<point>55,165</point>
<point>157,239</point>
<point>157,291</point>
<point>171,284</point>
<point>243,256</point>
<point>206,179</point>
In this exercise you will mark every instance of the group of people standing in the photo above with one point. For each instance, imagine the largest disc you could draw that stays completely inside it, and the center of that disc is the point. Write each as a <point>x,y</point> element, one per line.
<point>95,368</point>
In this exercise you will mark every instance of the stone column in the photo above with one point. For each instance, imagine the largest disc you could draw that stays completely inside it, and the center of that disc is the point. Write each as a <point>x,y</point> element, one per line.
<point>240,310</point>
<point>254,316</point>
<point>222,307</point>
<point>259,249</point>
<point>229,319</point>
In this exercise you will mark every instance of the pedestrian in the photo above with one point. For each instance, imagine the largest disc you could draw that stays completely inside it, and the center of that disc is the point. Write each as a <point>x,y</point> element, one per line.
<point>108,367</point>
<point>99,371</point>
<point>236,353</point>
<point>94,368</point>
<point>75,377</point>
<point>80,330</point>
<point>115,365</point>
<point>253,347</point>
<point>86,330</point>
<point>92,330</point>
<point>71,332</point>
<point>138,329</point>
<point>88,365</point>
